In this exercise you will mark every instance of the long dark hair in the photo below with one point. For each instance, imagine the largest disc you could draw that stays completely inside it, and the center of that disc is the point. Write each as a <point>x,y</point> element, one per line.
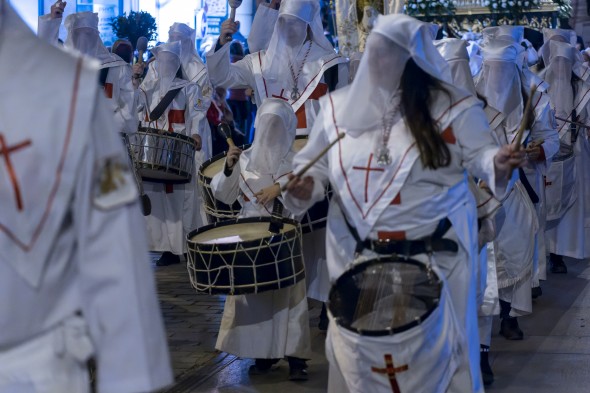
<point>417,96</point>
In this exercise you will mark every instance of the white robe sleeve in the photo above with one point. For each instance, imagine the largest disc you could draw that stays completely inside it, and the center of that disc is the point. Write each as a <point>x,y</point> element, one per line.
<point>319,171</point>
<point>223,73</point>
<point>117,286</point>
<point>227,188</point>
<point>126,105</point>
<point>48,29</point>
<point>195,115</point>
<point>262,28</point>
<point>543,130</point>
<point>478,148</point>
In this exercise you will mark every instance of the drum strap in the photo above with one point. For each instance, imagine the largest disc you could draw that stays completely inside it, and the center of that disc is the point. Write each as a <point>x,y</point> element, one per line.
<point>162,105</point>
<point>427,245</point>
<point>574,128</point>
<point>102,78</point>
<point>527,186</point>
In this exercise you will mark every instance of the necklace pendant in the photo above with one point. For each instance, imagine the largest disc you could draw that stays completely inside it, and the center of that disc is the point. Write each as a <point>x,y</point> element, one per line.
<point>383,157</point>
<point>295,94</point>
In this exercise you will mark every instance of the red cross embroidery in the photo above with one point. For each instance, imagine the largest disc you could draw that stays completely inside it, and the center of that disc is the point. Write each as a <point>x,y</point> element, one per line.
<point>281,95</point>
<point>5,151</point>
<point>390,370</point>
<point>369,169</point>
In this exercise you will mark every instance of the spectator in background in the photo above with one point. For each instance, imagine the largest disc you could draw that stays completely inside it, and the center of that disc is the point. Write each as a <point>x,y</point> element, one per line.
<point>238,100</point>
<point>580,44</point>
<point>219,112</point>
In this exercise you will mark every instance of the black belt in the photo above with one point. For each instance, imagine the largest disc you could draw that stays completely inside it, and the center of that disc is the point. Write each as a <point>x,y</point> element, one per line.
<point>426,245</point>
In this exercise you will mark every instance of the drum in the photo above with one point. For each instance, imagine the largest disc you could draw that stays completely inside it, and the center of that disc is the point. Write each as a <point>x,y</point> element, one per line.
<point>384,296</point>
<point>162,156</point>
<point>216,210</point>
<point>242,257</point>
<point>560,182</point>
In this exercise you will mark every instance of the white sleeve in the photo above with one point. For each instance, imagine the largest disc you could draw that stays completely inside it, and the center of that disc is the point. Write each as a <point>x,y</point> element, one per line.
<point>227,188</point>
<point>117,286</point>
<point>228,75</point>
<point>319,171</point>
<point>126,111</point>
<point>48,29</point>
<point>543,130</point>
<point>196,116</point>
<point>478,148</point>
<point>262,28</point>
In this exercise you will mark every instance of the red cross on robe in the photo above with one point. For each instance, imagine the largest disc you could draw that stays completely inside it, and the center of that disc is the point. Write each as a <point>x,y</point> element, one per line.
<point>6,151</point>
<point>368,170</point>
<point>390,370</point>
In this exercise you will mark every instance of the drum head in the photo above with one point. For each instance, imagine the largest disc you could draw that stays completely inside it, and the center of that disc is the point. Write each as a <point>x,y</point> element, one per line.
<point>214,165</point>
<point>237,232</point>
<point>384,296</point>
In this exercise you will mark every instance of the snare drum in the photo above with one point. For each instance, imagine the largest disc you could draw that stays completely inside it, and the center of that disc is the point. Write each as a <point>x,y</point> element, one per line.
<point>384,296</point>
<point>162,156</point>
<point>560,182</point>
<point>393,327</point>
<point>242,257</point>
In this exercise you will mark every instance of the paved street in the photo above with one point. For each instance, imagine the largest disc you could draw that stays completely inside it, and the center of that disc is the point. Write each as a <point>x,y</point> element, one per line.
<point>553,357</point>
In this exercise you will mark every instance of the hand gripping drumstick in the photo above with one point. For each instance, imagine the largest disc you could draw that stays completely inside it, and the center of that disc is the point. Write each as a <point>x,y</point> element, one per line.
<point>234,4</point>
<point>316,159</point>
<point>141,47</point>
<point>225,131</point>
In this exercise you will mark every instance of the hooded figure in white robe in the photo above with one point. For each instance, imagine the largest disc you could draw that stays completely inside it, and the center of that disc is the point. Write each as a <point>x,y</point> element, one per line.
<point>75,276</point>
<point>175,208</point>
<point>402,200</point>
<point>299,66</point>
<point>273,324</point>
<point>454,51</point>
<point>568,188</point>
<point>115,77</point>
<point>517,247</point>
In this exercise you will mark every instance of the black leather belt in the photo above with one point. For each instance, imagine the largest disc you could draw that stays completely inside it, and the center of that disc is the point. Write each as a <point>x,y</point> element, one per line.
<point>426,245</point>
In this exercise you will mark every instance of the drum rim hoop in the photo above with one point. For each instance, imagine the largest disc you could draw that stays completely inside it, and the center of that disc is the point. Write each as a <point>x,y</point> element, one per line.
<point>165,133</point>
<point>391,331</point>
<point>294,232</point>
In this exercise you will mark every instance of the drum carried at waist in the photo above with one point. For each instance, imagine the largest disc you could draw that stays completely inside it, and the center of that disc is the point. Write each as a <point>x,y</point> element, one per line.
<point>384,296</point>
<point>242,257</point>
<point>162,156</point>
<point>315,218</point>
<point>560,182</point>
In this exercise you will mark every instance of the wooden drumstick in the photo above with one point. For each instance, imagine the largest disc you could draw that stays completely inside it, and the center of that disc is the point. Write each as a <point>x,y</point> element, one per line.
<point>232,15</point>
<point>225,130</point>
<point>316,159</point>
<point>581,125</point>
<point>528,112</point>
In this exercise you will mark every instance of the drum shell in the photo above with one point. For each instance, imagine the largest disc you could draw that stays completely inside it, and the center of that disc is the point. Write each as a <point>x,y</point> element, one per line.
<point>345,295</point>
<point>560,183</point>
<point>246,267</point>
<point>163,157</point>
<point>216,210</point>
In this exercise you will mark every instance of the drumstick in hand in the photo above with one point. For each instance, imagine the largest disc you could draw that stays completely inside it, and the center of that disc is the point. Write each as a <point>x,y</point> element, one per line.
<point>225,130</point>
<point>316,159</point>
<point>528,112</point>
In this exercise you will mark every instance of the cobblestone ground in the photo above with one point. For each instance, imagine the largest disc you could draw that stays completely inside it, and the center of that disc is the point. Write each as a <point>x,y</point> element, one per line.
<point>191,320</point>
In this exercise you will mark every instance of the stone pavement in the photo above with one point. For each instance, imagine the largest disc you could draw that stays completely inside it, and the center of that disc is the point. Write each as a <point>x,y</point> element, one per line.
<point>554,357</point>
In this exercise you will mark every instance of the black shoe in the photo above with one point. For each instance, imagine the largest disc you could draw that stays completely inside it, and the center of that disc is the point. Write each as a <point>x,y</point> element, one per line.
<point>297,369</point>
<point>510,330</point>
<point>262,366</point>
<point>167,259</point>
<point>557,265</point>
<point>486,371</point>
<point>536,292</point>
<point>324,321</point>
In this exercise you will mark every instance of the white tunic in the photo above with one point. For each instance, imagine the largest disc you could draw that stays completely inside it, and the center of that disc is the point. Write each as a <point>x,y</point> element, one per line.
<point>246,73</point>
<point>177,213</point>
<point>570,235</point>
<point>66,246</point>
<point>118,87</point>
<point>272,324</point>
<point>404,198</point>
